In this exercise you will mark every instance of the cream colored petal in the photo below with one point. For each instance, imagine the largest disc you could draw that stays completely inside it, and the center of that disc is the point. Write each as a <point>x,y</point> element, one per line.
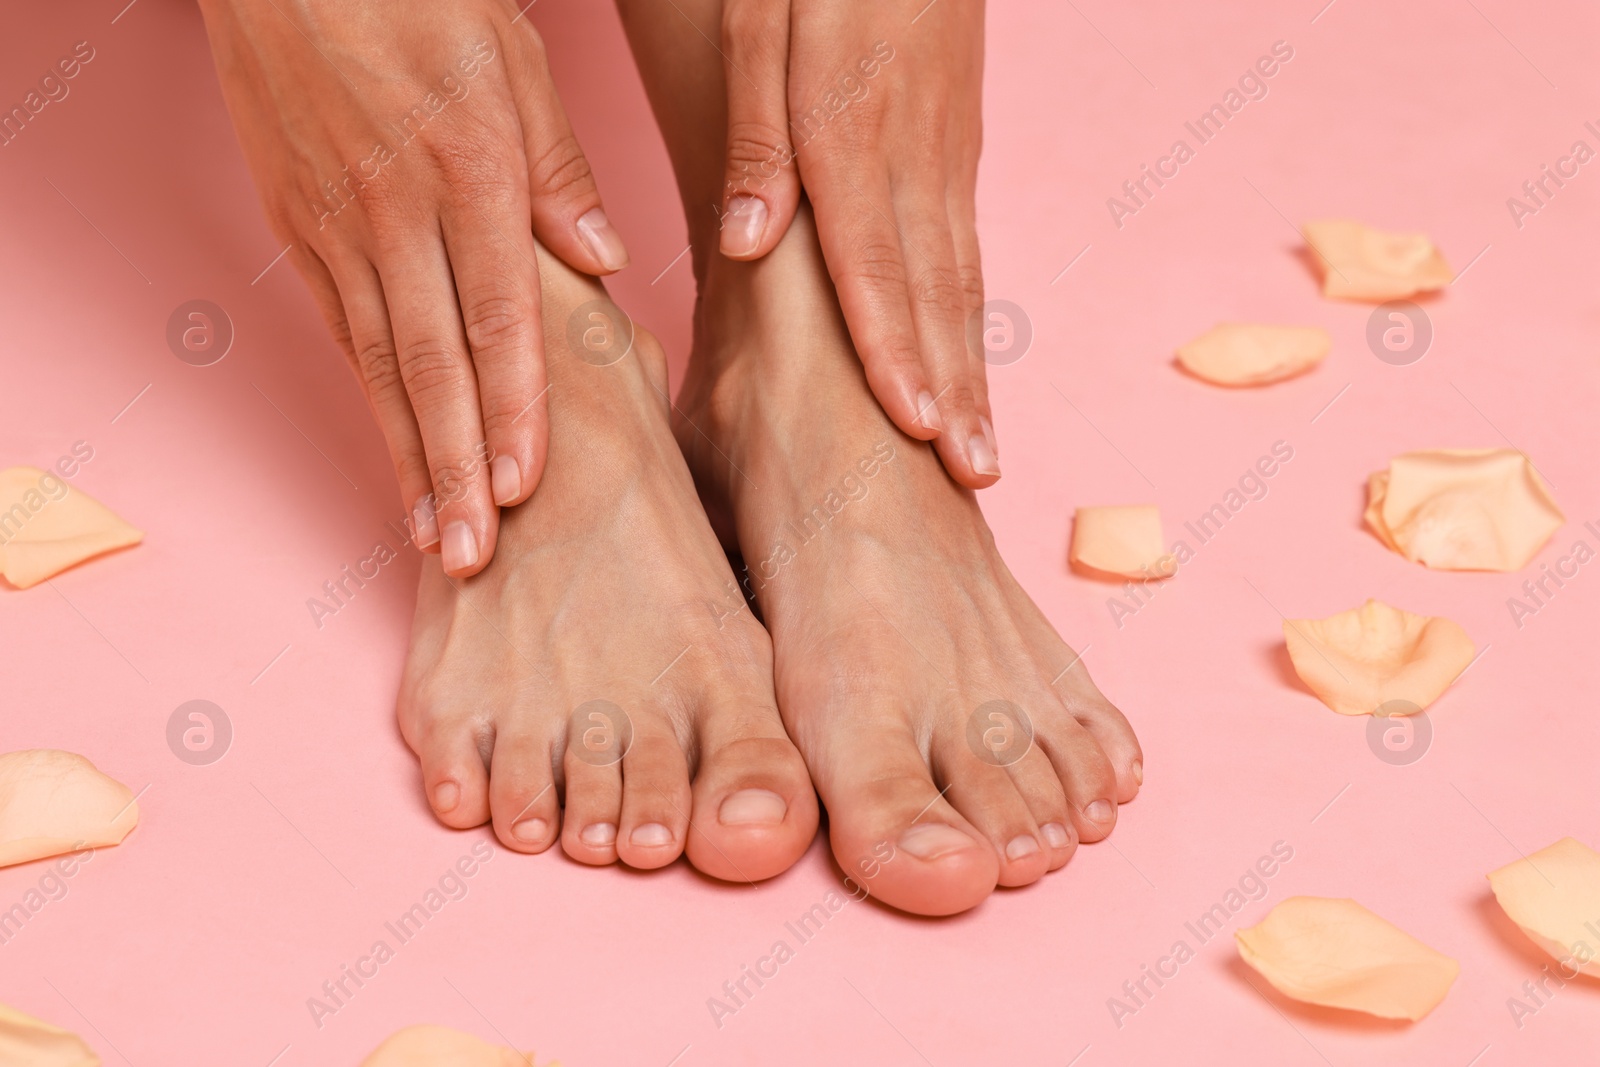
<point>52,802</point>
<point>1123,540</point>
<point>436,1046</point>
<point>1554,895</point>
<point>1361,263</point>
<point>30,1041</point>
<point>1463,509</point>
<point>1338,954</point>
<point>1237,353</point>
<point>46,526</point>
<point>1359,660</point>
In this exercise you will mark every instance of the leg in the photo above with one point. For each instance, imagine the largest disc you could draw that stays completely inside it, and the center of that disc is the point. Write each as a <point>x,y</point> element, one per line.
<point>895,624</point>
<point>608,585</point>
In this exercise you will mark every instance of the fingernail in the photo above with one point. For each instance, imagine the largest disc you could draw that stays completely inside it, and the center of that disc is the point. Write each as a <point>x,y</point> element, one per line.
<point>505,478</point>
<point>928,412</point>
<point>982,456</point>
<point>743,224</point>
<point>602,240</point>
<point>425,522</point>
<point>1056,835</point>
<point>1137,770</point>
<point>1021,847</point>
<point>530,830</point>
<point>460,548</point>
<point>1100,811</point>
<point>931,840</point>
<point>988,435</point>
<point>598,834</point>
<point>749,806</point>
<point>651,835</point>
<point>445,796</point>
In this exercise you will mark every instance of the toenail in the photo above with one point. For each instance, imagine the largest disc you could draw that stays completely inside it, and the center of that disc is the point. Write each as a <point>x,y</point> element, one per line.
<point>1056,835</point>
<point>530,830</point>
<point>1100,811</point>
<point>505,478</point>
<point>932,840</point>
<point>1137,770</point>
<point>982,457</point>
<point>445,796</point>
<point>460,547</point>
<point>650,835</point>
<point>1022,847</point>
<point>752,806</point>
<point>598,834</point>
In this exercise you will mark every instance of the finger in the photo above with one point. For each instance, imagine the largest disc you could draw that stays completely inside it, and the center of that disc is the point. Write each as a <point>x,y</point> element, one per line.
<point>863,254</point>
<point>368,343</point>
<point>939,313</point>
<point>497,283</point>
<point>436,367</point>
<point>565,202</point>
<point>962,211</point>
<point>761,188</point>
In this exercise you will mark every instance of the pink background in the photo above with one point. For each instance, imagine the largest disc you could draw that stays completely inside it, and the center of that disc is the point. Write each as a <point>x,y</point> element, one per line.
<point>252,880</point>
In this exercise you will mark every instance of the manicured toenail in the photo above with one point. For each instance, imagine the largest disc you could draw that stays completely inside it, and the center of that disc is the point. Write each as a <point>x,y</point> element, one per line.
<point>982,457</point>
<point>530,830</point>
<point>1137,770</point>
<point>505,478</point>
<point>650,835</point>
<point>932,840</point>
<point>445,796</point>
<point>1100,811</point>
<point>460,547</point>
<point>1021,847</point>
<point>598,834</point>
<point>752,806</point>
<point>1056,835</point>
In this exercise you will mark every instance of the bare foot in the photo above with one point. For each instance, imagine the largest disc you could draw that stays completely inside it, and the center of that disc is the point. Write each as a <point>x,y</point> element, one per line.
<point>605,662</point>
<point>903,645</point>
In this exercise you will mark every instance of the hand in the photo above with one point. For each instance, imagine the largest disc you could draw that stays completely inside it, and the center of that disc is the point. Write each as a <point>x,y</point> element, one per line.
<point>879,104</point>
<point>411,151</point>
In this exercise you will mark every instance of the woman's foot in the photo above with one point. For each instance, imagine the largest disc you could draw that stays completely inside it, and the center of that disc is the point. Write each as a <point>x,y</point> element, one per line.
<point>605,662</point>
<point>903,645</point>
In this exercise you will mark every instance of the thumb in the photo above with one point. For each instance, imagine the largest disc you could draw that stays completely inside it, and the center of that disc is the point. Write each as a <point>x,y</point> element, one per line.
<point>761,189</point>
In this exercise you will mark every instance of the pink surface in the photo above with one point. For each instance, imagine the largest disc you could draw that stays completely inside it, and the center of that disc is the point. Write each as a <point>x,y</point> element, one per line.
<point>253,880</point>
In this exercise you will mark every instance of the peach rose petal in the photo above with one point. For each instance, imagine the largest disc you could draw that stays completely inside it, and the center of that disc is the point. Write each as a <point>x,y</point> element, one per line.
<point>434,1046</point>
<point>1462,509</point>
<point>53,802</point>
<point>1361,263</point>
<point>26,1040</point>
<point>1554,895</point>
<point>1359,660</point>
<point>1336,953</point>
<point>46,526</point>
<point>1122,540</point>
<point>1242,354</point>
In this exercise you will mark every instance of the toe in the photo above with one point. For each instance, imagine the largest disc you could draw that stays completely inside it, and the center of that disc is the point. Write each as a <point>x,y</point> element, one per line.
<point>522,794</point>
<point>893,833</point>
<point>593,808</point>
<point>1109,727</point>
<point>985,793</point>
<point>1086,775</point>
<point>452,750</point>
<point>655,801</point>
<point>755,812</point>
<point>1036,782</point>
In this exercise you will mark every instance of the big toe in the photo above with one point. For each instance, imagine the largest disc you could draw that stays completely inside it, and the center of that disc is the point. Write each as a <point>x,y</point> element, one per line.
<point>755,812</point>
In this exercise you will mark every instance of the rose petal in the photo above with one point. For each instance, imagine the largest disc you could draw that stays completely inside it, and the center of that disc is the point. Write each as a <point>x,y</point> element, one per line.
<point>1554,895</point>
<point>1236,353</point>
<point>46,526</point>
<point>53,802</point>
<point>433,1046</point>
<point>1338,954</point>
<point>26,1040</point>
<point>1359,660</point>
<point>1462,509</point>
<point>1361,263</point>
<point>1123,540</point>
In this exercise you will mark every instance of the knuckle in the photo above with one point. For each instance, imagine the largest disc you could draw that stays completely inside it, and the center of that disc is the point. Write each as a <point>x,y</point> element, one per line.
<point>755,145</point>
<point>377,364</point>
<point>561,170</point>
<point>497,322</point>
<point>435,374</point>
<point>935,291</point>
<point>970,278</point>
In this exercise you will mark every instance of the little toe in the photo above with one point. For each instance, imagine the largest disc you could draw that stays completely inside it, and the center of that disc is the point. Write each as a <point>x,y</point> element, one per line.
<point>451,751</point>
<point>755,812</point>
<point>655,801</point>
<point>1111,730</point>
<point>522,795</point>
